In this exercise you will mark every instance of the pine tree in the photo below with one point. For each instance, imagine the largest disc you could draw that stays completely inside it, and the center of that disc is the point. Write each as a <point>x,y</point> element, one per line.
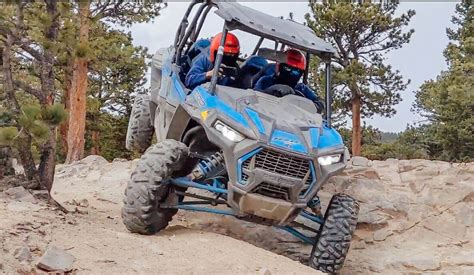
<point>92,14</point>
<point>28,38</point>
<point>362,32</point>
<point>448,101</point>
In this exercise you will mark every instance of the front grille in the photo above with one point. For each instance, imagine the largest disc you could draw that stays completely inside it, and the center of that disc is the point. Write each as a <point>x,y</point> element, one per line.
<point>279,163</point>
<point>273,191</point>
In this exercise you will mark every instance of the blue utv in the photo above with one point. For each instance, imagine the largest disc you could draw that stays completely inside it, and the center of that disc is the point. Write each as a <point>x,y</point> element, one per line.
<point>236,151</point>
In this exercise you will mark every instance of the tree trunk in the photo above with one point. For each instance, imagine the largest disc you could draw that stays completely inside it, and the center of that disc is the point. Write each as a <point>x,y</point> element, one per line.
<point>48,161</point>
<point>356,129</point>
<point>47,164</point>
<point>24,144</point>
<point>77,114</point>
<point>27,160</point>
<point>64,127</point>
<point>95,150</point>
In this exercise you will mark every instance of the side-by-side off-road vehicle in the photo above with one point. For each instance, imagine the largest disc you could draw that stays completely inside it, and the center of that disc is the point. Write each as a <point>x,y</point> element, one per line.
<point>236,151</point>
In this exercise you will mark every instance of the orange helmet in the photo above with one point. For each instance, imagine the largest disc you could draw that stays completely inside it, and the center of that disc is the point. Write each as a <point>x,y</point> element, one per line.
<point>231,46</point>
<point>295,59</point>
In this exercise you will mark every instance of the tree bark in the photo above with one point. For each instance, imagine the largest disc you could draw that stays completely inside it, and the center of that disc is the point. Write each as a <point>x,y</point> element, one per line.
<point>47,164</point>
<point>77,114</point>
<point>95,150</point>
<point>48,151</point>
<point>24,144</point>
<point>356,128</point>
<point>64,127</point>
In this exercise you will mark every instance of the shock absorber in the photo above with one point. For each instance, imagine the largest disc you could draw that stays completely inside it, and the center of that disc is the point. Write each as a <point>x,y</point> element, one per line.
<point>205,166</point>
<point>315,206</point>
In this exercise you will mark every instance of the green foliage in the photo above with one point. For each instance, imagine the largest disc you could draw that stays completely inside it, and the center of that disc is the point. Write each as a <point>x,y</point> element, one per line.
<point>370,136</point>
<point>8,135</point>
<point>414,142</point>
<point>410,144</point>
<point>33,120</point>
<point>362,33</point>
<point>448,102</point>
<point>54,115</point>
<point>29,115</point>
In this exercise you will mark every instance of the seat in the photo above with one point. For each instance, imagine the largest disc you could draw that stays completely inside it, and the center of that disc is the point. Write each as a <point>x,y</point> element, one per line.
<point>269,69</point>
<point>248,71</point>
<point>199,48</point>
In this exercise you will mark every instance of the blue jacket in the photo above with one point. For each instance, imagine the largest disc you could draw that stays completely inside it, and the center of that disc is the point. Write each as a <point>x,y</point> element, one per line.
<point>197,74</point>
<point>269,80</point>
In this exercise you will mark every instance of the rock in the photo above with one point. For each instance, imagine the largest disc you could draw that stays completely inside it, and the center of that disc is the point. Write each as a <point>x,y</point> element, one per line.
<point>95,162</point>
<point>360,161</point>
<point>20,206</point>
<point>465,215</point>
<point>359,245</point>
<point>411,177</point>
<point>432,263</point>
<point>19,193</point>
<point>461,258</point>
<point>443,226</point>
<point>417,186</point>
<point>119,160</point>
<point>56,259</point>
<point>17,167</point>
<point>382,234</point>
<point>22,254</point>
<point>373,219</point>
<point>371,174</point>
<point>264,271</point>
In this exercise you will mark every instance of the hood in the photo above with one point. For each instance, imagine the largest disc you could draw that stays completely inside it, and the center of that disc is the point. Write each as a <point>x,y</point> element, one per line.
<point>289,122</point>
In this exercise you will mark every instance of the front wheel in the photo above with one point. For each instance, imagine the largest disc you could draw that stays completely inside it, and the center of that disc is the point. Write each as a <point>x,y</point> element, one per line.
<point>334,237</point>
<point>147,188</point>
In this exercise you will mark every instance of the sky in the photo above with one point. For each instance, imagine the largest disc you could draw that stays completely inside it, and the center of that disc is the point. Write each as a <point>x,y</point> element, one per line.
<point>420,60</point>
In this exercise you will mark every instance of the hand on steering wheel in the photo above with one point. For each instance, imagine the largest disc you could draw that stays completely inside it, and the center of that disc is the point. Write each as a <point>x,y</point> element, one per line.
<point>279,90</point>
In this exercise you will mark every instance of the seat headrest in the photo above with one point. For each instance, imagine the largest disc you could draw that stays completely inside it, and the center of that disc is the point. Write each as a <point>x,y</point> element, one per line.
<point>255,61</point>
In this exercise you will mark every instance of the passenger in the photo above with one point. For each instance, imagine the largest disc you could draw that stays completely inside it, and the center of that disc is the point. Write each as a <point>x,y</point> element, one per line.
<point>202,69</point>
<point>289,73</point>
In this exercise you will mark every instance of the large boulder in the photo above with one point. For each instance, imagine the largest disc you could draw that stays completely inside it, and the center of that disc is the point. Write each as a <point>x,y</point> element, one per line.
<point>422,207</point>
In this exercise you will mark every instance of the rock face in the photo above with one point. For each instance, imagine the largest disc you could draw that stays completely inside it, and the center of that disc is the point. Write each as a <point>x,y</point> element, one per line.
<point>416,216</point>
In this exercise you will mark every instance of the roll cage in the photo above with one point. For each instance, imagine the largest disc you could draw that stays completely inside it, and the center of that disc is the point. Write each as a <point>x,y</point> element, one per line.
<point>282,32</point>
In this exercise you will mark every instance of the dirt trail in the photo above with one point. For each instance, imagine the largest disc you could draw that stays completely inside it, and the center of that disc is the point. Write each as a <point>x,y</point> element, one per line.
<point>96,237</point>
<point>416,217</point>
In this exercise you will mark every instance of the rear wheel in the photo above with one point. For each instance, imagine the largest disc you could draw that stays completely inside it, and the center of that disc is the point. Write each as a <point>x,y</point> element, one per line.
<point>140,127</point>
<point>147,188</point>
<point>334,237</point>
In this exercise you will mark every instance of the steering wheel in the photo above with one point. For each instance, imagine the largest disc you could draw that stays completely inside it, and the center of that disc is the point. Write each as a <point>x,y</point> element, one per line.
<point>228,71</point>
<point>279,90</point>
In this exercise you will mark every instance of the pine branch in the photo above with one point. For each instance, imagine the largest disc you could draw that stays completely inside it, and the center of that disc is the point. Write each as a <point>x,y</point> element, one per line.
<point>30,90</point>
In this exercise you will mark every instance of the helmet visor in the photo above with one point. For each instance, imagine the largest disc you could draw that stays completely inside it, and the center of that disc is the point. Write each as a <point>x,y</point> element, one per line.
<point>289,75</point>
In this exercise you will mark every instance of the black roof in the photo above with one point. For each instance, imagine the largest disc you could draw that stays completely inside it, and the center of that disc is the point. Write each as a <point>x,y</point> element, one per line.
<point>282,30</point>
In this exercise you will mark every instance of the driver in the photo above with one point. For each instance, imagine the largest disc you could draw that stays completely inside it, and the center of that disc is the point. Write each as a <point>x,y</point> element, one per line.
<point>289,73</point>
<point>202,69</point>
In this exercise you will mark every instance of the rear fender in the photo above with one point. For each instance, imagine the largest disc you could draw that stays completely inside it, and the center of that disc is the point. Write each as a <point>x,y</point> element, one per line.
<point>157,63</point>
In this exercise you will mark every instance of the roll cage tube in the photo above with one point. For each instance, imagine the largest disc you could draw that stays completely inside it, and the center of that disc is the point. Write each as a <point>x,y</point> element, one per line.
<point>189,31</point>
<point>328,93</point>
<point>218,60</point>
<point>184,23</point>
<point>306,70</point>
<point>201,23</point>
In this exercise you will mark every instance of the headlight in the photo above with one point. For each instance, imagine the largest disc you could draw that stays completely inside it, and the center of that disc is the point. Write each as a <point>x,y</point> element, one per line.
<point>228,132</point>
<point>328,160</point>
